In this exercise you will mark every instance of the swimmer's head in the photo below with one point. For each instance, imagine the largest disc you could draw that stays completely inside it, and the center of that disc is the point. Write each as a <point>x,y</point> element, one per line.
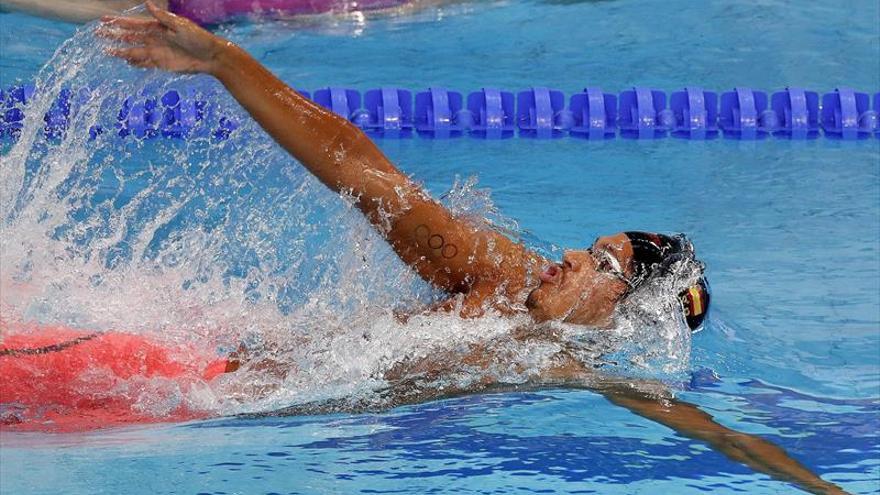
<point>587,286</point>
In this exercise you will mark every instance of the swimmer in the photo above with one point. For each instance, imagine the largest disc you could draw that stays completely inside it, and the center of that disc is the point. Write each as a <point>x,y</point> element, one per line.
<point>205,11</point>
<point>482,270</point>
<point>72,10</point>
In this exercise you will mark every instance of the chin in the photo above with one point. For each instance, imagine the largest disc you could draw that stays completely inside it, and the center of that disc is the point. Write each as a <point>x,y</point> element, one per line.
<point>532,300</point>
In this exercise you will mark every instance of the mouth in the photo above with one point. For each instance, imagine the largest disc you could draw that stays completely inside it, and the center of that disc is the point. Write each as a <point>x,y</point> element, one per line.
<point>550,273</point>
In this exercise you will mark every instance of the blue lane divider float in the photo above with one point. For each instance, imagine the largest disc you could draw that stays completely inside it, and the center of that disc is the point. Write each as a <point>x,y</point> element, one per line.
<point>594,114</point>
<point>344,102</point>
<point>695,113</point>
<point>744,116</point>
<point>539,112</point>
<point>642,114</point>
<point>439,113</point>
<point>14,100</point>
<point>493,114</point>
<point>845,114</point>
<point>797,113</point>
<point>390,113</point>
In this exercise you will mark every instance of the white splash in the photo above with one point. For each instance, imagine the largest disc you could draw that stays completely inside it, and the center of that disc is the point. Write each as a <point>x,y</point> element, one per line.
<point>217,243</point>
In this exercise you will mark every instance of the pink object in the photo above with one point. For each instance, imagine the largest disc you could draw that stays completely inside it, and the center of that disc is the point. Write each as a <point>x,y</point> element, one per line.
<point>214,11</point>
<point>56,378</point>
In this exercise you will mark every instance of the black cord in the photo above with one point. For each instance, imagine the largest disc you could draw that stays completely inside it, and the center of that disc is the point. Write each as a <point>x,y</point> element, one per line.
<point>47,349</point>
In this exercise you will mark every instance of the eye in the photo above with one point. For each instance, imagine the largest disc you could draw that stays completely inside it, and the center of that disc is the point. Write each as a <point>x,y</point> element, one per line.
<point>567,264</point>
<point>608,263</point>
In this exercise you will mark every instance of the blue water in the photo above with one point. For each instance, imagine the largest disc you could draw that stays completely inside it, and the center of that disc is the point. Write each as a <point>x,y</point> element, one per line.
<point>790,232</point>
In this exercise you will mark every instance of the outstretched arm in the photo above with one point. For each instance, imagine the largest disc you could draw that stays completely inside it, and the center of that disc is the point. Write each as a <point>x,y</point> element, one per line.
<point>72,10</point>
<point>688,420</point>
<point>443,249</point>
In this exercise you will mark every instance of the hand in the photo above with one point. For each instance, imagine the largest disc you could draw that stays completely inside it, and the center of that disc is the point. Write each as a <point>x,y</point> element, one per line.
<point>166,41</point>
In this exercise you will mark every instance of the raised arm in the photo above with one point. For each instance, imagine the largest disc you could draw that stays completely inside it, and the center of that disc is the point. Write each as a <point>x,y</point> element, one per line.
<point>444,250</point>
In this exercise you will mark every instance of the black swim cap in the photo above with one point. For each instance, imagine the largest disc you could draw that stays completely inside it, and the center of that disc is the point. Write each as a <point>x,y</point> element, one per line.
<point>656,253</point>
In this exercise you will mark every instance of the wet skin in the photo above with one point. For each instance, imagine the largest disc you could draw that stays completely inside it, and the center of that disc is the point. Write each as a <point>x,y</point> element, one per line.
<point>483,267</point>
<point>586,286</point>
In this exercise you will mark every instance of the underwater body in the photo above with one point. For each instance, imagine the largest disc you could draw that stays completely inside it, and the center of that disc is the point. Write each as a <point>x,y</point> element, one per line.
<point>217,243</point>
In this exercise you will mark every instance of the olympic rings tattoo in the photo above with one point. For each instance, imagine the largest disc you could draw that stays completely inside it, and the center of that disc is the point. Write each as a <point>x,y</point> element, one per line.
<point>422,232</point>
<point>436,242</point>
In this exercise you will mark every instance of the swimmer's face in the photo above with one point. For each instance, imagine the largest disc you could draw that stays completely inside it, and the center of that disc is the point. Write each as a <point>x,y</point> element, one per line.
<point>585,288</point>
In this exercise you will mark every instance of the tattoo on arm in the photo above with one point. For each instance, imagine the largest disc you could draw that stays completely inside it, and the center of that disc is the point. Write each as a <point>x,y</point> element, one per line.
<point>424,236</point>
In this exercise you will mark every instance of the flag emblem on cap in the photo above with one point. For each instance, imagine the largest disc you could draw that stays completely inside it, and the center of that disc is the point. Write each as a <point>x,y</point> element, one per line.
<point>695,301</point>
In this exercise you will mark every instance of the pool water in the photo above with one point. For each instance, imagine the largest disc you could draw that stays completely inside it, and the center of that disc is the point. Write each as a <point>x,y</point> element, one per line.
<point>790,232</point>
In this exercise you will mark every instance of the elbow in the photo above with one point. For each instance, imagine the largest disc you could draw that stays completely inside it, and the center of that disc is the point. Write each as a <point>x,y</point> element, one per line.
<point>349,145</point>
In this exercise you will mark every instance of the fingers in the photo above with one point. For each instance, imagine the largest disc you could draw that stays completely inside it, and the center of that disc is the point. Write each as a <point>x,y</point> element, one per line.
<point>137,56</point>
<point>130,30</point>
<point>132,37</point>
<point>129,22</point>
<point>130,55</point>
<point>166,18</point>
<point>137,39</point>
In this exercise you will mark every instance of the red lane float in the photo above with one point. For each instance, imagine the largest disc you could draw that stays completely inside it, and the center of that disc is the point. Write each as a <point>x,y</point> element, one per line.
<point>56,378</point>
<point>214,11</point>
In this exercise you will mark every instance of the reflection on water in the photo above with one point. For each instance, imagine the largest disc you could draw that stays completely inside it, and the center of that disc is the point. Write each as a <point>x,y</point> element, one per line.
<point>498,442</point>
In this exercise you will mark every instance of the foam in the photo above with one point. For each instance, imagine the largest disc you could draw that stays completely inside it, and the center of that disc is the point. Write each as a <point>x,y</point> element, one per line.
<point>237,243</point>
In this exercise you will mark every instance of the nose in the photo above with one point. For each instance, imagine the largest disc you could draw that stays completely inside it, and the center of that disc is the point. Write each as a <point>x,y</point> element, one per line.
<point>571,261</point>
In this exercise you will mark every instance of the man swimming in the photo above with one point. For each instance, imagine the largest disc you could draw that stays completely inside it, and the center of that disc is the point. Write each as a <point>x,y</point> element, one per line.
<point>482,270</point>
<point>207,11</point>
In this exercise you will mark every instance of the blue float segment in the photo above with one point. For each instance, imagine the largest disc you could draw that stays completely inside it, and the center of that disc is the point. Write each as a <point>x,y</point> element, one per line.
<point>11,114</point>
<point>639,113</point>
<point>842,114</point>
<point>390,112</point>
<point>797,113</point>
<point>18,95</point>
<point>343,102</point>
<point>95,131</point>
<point>179,115</point>
<point>12,122</point>
<point>695,113</point>
<point>492,113</point>
<point>743,114</point>
<point>56,119</point>
<point>594,114</point>
<point>144,118</point>
<point>876,114</point>
<point>537,113</point>
<point>438,114</point>
<point>138,117</point>
<point>225,128</point>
